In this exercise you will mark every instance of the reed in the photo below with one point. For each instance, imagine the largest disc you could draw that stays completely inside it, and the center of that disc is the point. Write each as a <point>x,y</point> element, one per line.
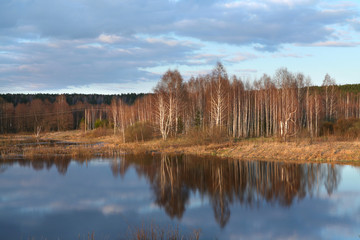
<point>153,231</point>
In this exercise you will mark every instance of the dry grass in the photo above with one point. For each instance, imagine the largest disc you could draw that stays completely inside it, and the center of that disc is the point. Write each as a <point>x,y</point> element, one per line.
<point>294,151</point>
<point>76,152</point>
<point>155,232</point>
<point>152,232</point>
<point>302,150</point>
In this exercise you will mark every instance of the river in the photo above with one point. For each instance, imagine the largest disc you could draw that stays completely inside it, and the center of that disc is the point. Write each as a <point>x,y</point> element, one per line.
<point>61,198</point>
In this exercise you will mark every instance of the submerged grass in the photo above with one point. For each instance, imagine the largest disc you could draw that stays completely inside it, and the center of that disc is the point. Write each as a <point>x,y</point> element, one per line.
<point>156,232</point>
<point>151,231</point>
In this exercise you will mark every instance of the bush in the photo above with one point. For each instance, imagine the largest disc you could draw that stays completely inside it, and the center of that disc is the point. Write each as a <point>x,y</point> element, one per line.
<point>207,135</point>
<point>82,124</point>
<point>349,128</point>
<point>140,131</point>
<point>101,123</point>
<point>326,128</point>
<point>98,132</point>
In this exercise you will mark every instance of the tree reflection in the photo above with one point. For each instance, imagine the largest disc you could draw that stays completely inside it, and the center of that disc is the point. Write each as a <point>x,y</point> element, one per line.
<point>173,178</point>
<point>170,193</point>
<point>40,163</point>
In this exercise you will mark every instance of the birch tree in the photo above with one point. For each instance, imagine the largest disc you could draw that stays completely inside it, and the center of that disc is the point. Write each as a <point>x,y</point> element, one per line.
<point>170,93</point>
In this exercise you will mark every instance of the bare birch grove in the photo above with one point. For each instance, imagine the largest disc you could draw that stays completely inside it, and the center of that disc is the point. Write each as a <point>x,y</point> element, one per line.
<point>283,106</point>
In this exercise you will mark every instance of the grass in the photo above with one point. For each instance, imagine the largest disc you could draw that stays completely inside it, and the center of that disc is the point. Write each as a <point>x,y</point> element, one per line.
<point>155,232</point>
<point>152,231</point>
<point>325,149</point>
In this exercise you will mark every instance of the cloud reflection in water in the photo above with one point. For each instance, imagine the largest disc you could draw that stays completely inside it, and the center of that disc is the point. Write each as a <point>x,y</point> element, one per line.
<point>228,199</point>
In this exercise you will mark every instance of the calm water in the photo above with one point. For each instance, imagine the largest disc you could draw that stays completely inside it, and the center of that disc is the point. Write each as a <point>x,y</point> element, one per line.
<point>226,199</point>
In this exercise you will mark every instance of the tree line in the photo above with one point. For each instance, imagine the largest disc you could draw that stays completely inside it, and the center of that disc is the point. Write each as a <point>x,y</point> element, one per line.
<point>71,99</point>
<point>285,105</point>
<point>54,112</point>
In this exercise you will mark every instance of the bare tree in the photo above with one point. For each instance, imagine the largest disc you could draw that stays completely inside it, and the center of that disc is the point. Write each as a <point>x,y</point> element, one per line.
<point>330,97</point>
<point>288,103</point>
<point>219,85</point>
<point>170,93</point>
<point>114,111</point>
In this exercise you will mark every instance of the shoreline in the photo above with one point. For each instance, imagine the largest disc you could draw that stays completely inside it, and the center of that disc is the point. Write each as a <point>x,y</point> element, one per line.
<point>266,149</point>
<point>318,152</point>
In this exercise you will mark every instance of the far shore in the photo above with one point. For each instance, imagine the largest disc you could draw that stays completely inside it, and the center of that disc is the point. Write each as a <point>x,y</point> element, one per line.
<point>267,149</point>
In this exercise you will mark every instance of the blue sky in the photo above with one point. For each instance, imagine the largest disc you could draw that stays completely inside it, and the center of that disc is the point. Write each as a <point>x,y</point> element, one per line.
<point>120,46</point>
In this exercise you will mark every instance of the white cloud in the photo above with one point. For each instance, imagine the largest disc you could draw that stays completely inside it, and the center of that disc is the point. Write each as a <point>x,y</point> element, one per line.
<point>246,4</point>
<point>172,42</point>
<point>292,2</point>
<point>168,42</point>
<point>240,57</point>
<point>91,45</point>
<point>112,209</point>
<point>266,4</point>
<point>109,38</point>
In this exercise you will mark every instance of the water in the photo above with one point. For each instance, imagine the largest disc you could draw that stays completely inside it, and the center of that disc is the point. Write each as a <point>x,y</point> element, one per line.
<point>59,198</point>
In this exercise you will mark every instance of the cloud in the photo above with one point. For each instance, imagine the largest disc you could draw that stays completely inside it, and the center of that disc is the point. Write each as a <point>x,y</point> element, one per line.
<point>109,38</point>
<point>333,44</point>
<point>355,23</point>
<point>112,209</point>
<point>61,44</point>
<point>72,65</point>
<point>172,42</point>
<point>246,4</point>
<point>292,2</point>
<point>240,57</point>
<point>268,22</point>
<point>288,55</point>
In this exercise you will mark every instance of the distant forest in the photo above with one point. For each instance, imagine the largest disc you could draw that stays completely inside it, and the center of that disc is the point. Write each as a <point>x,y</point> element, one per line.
<point>285,105</point>
<point>71,99</point>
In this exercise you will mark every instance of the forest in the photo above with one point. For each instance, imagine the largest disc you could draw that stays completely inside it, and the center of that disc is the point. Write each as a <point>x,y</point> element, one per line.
<point>214,105</point>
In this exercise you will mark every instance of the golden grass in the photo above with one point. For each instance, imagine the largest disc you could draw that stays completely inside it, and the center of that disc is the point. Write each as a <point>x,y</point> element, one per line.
<point>270,149</point>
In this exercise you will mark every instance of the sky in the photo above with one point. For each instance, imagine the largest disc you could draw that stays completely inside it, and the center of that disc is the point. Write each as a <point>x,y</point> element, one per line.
<point>125,46</point>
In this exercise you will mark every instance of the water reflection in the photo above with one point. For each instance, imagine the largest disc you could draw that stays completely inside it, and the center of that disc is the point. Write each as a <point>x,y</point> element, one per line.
<point>224,182</point>
<point>173,178</point>
<point>61,162</point>
<point>244,198</point>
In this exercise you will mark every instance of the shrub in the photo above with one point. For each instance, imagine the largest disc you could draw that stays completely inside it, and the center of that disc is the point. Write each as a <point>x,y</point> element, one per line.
<point>326,128</point>
<point>140,131</point>
<point>82,124</point>
<point>98,132</point>
<point>101,123</point>
<point>349,128</point>
<point>207,135</point>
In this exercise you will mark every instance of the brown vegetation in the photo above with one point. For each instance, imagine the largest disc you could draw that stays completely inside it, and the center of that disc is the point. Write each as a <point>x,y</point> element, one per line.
<point>85,146</point>
<point>156,232</point>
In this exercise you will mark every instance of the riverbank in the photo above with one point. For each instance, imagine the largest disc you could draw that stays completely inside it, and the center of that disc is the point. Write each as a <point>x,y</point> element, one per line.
<point>269,149</point>
<point>260,149</point>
